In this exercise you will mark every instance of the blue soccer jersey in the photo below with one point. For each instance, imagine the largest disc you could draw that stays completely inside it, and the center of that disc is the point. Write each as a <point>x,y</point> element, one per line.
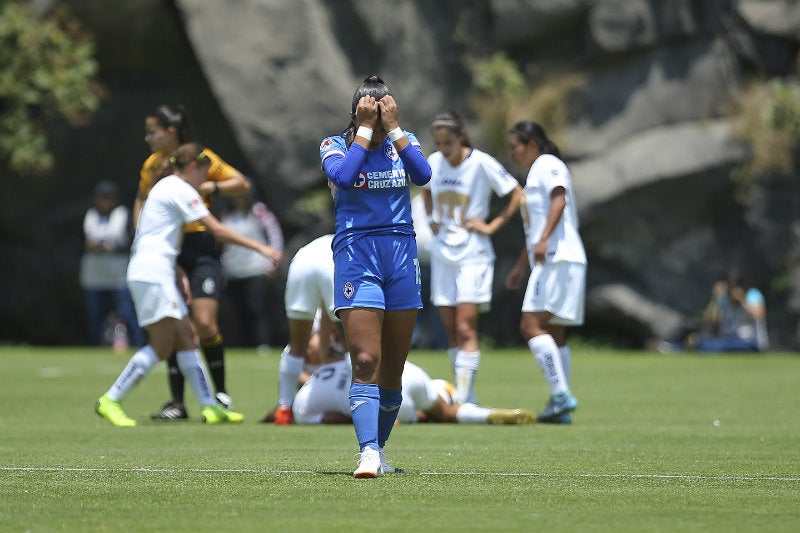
<point>373,195</point>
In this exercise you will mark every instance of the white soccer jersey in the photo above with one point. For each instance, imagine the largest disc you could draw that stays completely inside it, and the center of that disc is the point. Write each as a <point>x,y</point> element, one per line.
<point>564,244</point>
<point>460,193</point>
<point>171,204</point>
<point>328,391</point>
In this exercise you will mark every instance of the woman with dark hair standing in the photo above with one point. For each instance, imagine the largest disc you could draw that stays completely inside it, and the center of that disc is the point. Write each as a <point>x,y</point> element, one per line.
<point>556,290</point>
<point>156,286</point>
<point>167,128</point>
<point>376,269</point>
<point>462,257</point>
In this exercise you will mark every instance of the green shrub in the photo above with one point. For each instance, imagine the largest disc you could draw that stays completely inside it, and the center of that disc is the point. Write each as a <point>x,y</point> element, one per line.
<point>47,72</point>
<point>767,119</point>
<point>502,96</point>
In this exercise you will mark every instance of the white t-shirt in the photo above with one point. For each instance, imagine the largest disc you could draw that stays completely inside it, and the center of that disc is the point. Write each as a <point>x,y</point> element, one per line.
<point>564,244</point>
<point>171,204</point>
<point>260,224</point>
<point>460,193</point>
<point>105,270</point>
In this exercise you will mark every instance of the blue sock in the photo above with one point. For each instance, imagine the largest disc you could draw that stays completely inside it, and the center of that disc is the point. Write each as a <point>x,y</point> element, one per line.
<point>389,407</point>
<point>364,402</point>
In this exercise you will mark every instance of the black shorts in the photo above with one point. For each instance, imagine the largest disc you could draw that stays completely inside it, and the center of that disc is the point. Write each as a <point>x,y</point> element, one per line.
<point>200,258</point>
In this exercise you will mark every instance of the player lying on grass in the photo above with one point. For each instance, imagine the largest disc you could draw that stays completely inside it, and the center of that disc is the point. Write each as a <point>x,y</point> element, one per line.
<point>323,400</point>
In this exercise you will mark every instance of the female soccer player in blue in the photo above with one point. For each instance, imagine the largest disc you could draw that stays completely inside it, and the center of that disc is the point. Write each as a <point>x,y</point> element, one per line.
<point>376,270</point>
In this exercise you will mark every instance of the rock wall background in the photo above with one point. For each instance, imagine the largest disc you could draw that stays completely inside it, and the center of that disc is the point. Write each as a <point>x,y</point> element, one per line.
<point>648,138</point>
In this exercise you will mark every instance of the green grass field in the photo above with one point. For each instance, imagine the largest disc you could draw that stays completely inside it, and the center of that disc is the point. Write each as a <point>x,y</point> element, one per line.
<point>659,443</point>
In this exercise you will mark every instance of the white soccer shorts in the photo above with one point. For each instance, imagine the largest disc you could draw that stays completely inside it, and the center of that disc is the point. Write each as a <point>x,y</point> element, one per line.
<point>559,288</point>
<point>465,283</point>
<point>156,301</point>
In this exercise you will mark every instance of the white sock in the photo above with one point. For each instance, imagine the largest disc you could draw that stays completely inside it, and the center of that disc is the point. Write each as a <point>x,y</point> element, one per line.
<point>289,371</point>
<point>469,413</point>
<point>566,360</point>
<point>195,372</point>
<point>549,360</point>
<point>137,368</point>
<point>465,369</point>
<point>452,353</point>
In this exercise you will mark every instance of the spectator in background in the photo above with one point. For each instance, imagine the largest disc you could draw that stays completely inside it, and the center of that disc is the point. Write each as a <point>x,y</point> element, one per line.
<point>251,283</point>
<point>734,320</point>
<point>736,316</point>
<point>103,266</point>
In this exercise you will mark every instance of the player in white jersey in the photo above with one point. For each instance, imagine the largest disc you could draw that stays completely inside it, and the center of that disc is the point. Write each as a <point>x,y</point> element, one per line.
<point>323,400</point>
<point>309,288</point>
<point>159,300</point>
<point>458,197</point>
<point>556,288</point>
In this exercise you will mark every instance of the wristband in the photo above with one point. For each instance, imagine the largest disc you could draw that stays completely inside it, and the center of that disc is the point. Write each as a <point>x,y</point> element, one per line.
<point>365,132</point>
<point>216,188</point>
<point>396,134</point>
<point>430,220</point>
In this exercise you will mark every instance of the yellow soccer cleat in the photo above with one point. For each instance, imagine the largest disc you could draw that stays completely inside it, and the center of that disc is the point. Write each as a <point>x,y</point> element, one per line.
<point>521,417</point>
<point>216,414</point>
<point>112,411</point>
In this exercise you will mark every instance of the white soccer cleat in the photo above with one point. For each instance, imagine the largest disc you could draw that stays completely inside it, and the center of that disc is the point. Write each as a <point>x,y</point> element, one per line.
<point>369,464</point>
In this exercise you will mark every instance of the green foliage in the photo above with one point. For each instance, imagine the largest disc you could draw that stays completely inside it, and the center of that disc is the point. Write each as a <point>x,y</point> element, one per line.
<point>47,72</point>
<point>767,119</point>
<point>502,96</point>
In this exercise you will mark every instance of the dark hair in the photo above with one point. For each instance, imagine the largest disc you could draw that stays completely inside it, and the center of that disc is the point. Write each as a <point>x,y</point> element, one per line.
<point>527,131</point>
<point>175,117</point>
<point>450,121</point>
<point>372,86</point>
<point>107,189</point>
<point>186,153</point>
<point>735,279</point>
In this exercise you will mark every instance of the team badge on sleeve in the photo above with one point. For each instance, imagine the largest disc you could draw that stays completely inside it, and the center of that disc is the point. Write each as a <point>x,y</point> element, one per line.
<point>391,153</point>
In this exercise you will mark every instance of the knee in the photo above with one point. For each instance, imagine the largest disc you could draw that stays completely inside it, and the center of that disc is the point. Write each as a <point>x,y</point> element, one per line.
<point>465,332</point>
<point>365,366</point>
<point>206,326</point>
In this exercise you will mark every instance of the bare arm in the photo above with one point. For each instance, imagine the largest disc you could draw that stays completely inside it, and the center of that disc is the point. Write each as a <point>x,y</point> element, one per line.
<point>558,201</point>
<point>225,234</point>
<point>236,185</point>
<point>138,202</point>
<point>512,206</point>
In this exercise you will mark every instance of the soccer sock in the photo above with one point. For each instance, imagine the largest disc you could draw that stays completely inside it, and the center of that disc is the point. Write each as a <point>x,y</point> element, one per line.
<point>289,371</point>
<point>175,379</point>
<point>364,408</point>
<point>137,368</point>
<point>452,353</point>
<point>195,371</point>
<point>469,413</point>
<point>465,369</point>
<point>549,360</point>
<point>390,401</point>
<point>214,350</point>
<point>566,360</point>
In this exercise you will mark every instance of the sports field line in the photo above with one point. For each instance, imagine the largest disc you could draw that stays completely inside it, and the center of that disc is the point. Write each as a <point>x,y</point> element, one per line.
<point>466,474</point>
